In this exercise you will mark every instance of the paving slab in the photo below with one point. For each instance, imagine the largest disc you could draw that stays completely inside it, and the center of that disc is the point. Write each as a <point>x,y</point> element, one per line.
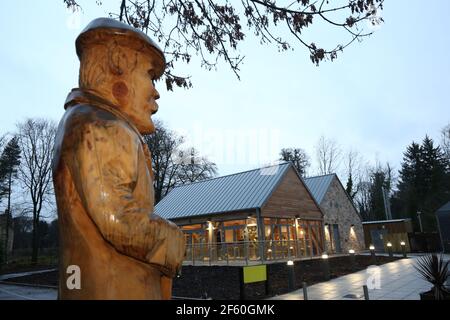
<point>13,292</point>
<point>397,280</point>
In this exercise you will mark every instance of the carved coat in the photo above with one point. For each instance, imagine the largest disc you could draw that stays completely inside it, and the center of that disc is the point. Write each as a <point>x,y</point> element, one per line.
<point>103,183</point>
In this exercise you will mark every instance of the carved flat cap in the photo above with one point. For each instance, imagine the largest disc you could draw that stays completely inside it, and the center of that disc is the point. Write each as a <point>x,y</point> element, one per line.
<point>102,30</point>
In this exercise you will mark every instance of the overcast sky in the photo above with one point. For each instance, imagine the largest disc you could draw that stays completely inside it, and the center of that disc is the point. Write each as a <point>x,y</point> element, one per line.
<point>377,97</point>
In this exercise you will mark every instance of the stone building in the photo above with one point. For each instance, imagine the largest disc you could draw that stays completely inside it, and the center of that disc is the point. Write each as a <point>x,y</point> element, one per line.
<point>342,223</point>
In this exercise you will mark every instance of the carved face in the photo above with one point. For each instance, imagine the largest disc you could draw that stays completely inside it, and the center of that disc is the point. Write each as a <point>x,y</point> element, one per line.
<point>128,81</point>
<point>137,95</point>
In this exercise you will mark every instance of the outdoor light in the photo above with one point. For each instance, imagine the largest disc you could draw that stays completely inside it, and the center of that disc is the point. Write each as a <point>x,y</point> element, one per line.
<point>269,250</point>
<point>291,275</point>
<point>389,246</point>
<point>403,244</point>
<point>352,225</point>
<point>352,259</point>
<point>372,253</point>
<point>292,248</point>
<point>325,256</point>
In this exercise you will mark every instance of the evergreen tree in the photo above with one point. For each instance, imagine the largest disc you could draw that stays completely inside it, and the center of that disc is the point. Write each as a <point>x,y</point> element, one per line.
<point>9,162</point>
<point>381,179</point>
<point>424,182</point>
<point>298,157</point>
<point>349,187</point>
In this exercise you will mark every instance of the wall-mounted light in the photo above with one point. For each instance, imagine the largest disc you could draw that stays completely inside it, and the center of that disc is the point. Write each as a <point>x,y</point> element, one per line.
<point>269,250</point>
<point>389,244</point>
<point>351,251</point>
<point>290,263</point>
<point>352,231</point>
<point>371,247</point>
<point>325,256</point>
<point>402,243</point>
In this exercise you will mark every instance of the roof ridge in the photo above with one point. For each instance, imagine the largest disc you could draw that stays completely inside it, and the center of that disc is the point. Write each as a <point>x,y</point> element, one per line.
<point>232,174</point>
<point>321,176</point>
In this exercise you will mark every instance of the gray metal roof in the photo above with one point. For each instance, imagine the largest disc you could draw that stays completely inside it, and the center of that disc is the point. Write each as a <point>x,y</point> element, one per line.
<point>444,209</point>
<point>386,221</point>
<point>240,191</point>
<point>319,185</point>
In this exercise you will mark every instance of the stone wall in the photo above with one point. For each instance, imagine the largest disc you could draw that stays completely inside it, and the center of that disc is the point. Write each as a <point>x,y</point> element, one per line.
<point>224,282</point>
<point>338,209</point>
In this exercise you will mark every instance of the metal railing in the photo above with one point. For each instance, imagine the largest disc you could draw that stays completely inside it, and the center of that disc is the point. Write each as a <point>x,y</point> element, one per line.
<point>247,251</point>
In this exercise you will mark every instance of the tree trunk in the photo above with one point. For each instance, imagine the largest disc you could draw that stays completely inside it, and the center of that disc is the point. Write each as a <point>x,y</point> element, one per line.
<point>8,214</point>
<point>35,244</point>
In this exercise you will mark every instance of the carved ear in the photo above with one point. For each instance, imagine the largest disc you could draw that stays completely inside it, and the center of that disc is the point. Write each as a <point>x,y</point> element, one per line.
<point>117,59</point>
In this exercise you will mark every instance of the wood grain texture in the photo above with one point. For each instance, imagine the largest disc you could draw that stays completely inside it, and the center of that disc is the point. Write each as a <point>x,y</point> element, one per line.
<point>291,198</point>
<point>104,188</point>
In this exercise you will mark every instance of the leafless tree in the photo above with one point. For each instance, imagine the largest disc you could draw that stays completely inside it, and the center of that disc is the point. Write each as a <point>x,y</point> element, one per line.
<point>373,181</point>
<point>445,140</point>
<point>353,163</point>
<point>213,29</point>
<point>173,166</point>
<point>363,197</point>
<point>328,155</point>
<point>36,140</point>
<point>164,145</point>
<point>194,167</point>
<point>298,157</point>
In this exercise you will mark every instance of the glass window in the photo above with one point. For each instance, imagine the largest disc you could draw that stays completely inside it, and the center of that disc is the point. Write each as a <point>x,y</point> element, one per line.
<point>234,223</point>
<point>191,227</point>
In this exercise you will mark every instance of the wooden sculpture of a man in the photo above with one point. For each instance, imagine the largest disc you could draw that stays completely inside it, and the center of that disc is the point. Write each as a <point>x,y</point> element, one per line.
<point>103,176</point>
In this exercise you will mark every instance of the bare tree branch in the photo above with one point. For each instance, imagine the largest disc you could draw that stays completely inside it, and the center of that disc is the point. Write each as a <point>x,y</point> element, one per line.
<point>213,29</point>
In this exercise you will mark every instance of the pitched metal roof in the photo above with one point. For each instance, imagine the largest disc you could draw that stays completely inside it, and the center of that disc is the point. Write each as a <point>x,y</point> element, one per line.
<point>240,191</point>
<point>444,209</point>
<point>319,185</point>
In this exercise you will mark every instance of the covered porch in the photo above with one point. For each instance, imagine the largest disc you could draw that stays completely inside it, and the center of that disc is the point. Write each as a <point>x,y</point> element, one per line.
<point>251,239</point>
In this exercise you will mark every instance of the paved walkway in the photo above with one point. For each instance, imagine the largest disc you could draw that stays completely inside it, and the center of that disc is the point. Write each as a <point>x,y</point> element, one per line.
<point>20,292</point>
<point>396,280</point>
<point>12,292</point>
<point>23,274</point>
